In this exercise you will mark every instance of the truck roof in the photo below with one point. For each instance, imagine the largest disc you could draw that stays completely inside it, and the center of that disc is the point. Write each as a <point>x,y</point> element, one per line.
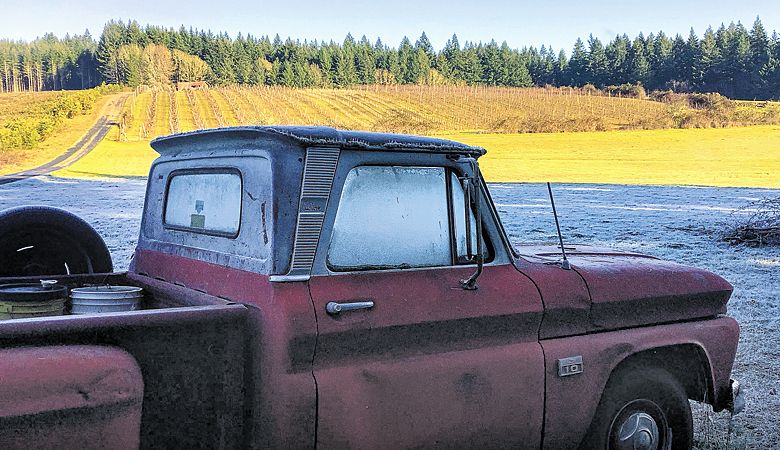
<point>321,136</point>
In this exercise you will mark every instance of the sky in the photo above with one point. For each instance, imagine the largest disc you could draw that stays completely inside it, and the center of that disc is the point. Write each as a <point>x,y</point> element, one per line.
<point>519,23</point>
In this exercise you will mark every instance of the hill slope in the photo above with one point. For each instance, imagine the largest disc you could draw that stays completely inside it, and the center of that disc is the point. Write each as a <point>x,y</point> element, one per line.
<point>404,109</point>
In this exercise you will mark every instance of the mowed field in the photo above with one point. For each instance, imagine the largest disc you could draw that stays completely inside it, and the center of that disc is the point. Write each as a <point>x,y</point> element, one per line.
<point>736,157</point>
<point>614,144</point>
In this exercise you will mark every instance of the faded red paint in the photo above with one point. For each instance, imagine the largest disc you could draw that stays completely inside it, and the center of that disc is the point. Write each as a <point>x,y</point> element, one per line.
<point>431,362</point>
<point>625,289</point>
<point>282,334</point>
<point>76,397</point>
<point>571,401</point>
<point>629,291</point>
<point>565,297</point>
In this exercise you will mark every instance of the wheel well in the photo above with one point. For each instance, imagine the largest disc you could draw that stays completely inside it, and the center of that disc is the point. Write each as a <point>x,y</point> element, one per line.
<point>687,363</point>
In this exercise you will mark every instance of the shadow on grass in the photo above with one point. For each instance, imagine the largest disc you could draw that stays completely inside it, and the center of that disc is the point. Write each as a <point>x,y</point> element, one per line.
<point>97,176</point>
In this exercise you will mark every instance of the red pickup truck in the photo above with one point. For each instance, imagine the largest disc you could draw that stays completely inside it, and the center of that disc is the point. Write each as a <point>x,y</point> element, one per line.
<point>310,287</point>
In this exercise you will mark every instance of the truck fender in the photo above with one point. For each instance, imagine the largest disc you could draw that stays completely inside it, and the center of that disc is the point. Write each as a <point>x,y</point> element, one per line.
<point>75,396</point>
<point>699,354</point>
<point>42,240</point>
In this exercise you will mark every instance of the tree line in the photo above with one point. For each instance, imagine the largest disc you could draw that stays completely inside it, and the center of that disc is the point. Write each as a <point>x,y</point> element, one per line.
<point>49,63</point>
<point>732,60</point>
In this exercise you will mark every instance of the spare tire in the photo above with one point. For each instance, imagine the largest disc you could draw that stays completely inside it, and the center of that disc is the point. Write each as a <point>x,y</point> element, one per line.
<point>41,240</point>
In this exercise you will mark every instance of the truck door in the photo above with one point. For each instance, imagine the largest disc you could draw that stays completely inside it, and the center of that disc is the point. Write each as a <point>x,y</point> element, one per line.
<point>405,356</point>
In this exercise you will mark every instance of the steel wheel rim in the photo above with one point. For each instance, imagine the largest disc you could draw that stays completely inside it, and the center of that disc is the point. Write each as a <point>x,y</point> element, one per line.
<point>640,425</point>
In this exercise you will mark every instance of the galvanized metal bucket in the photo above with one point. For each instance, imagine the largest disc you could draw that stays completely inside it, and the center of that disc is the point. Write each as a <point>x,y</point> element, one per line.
<point>105,299</point>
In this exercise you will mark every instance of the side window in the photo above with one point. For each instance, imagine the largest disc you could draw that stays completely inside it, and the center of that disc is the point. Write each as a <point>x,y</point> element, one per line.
<point>392,217</point>
<point>207,203</point>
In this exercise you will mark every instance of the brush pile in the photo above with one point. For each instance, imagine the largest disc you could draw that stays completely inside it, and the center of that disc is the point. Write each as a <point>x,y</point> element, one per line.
<point>761,227</point>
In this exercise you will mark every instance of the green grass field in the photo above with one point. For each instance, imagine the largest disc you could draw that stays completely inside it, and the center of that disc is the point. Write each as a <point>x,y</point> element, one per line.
<point>738,157</point>
<point>747,156</point>
<point>605,139</point>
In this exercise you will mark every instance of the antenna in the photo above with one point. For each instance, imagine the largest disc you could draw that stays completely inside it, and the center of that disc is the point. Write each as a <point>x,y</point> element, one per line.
<point>565,263</point>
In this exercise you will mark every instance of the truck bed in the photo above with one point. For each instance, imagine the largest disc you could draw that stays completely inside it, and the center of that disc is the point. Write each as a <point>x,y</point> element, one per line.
<point>191,348</point>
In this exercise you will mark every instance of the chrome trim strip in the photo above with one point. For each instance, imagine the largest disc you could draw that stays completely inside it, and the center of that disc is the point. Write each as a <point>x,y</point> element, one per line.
<point>288,278</point>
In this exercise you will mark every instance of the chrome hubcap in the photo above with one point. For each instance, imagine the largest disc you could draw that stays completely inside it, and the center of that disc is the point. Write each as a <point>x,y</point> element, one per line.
<point>638,432</point>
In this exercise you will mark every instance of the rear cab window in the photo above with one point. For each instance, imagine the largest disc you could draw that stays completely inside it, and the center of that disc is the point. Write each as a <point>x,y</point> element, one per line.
<point>204,202</point>
<point>216,209</point>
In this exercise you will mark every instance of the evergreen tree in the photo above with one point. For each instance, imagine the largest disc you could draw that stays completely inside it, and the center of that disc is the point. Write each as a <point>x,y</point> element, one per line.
<point>453,59</point>
<point>760,57</point>
<point>425,45</point>
<point>598,65</point>
<point>662,61</point>
<point>132,66</point>
<point>578,65</point>
<point>639,64</point>
<point>242,59</point>
<point>110,41</point>
<point>680,66</point>
<point>740,67</point>
<point>493,71</point>
<point>709,56</point>
<point>514,70</point>
<point>691,67</point>
<point>471,69</point>
<point>365,64</point>
<point>344,68</point>
<point>406,57</point>
<point>732,60</point>
<point>382,56</point>
<point>561,69</point>
<point>618,63</point>
<point>394,66</point>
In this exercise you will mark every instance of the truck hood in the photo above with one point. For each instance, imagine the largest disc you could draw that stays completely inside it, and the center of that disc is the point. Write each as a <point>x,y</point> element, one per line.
<point>631,289</point>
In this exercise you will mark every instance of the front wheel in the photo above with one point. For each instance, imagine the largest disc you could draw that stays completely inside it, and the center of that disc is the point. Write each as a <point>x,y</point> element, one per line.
<point>642,409</point>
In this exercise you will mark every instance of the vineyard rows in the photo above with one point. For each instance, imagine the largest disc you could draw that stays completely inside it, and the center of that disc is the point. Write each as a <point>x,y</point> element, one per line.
<point>403,109</point>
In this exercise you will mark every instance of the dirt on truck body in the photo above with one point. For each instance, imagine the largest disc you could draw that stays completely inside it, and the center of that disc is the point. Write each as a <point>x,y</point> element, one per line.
<point>310,287</point>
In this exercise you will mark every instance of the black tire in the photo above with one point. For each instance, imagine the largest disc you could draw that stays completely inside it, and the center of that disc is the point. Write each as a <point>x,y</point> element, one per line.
<point>41,240</point>
<point>632,395</point>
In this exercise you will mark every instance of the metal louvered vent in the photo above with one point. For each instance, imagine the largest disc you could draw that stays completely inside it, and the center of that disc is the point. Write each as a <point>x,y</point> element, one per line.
<point>318,173</point>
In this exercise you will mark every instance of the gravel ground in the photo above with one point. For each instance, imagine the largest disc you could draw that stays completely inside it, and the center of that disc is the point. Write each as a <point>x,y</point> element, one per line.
<point>676,223</point>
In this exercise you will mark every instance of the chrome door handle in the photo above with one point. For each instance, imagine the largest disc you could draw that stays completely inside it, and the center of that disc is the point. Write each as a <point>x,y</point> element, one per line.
<point>334,308</point>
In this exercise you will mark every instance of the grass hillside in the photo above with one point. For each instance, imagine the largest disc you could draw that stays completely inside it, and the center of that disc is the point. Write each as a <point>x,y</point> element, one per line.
<point>432,110</point>
<point>531,134</point>
<point>35,127</point>
<point>403,109</point>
